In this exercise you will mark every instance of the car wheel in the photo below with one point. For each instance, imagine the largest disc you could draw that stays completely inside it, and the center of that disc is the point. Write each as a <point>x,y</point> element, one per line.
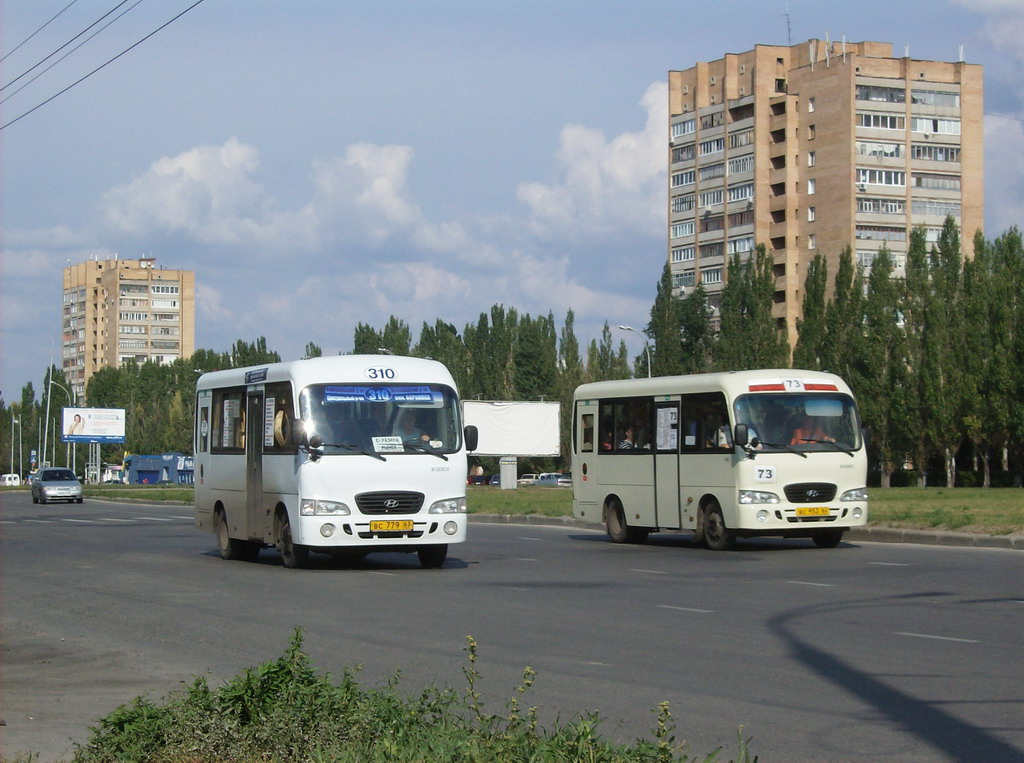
<point>432,557</point>
<point>79,500</point>
<point>293,555</point>
<point>717,536</point>
<point>827,538</point>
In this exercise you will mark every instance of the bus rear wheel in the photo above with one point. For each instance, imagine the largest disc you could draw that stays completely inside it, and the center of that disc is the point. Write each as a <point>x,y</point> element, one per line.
<point>293,555</point>
<point>432,557</point>
<point>618,530</point>
<point>717,536</point>
<point>827,538</point>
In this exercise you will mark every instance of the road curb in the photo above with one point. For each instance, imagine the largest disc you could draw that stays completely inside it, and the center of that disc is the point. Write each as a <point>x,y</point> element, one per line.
<point>867,534</point>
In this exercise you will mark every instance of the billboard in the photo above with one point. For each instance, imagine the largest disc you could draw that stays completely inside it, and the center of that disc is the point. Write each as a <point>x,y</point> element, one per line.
<point>514,428</point>
<point>93,425</point>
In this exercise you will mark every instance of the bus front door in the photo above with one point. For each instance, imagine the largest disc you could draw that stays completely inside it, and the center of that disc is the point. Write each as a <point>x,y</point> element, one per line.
<point>254,466</point>
<point>666,464</point>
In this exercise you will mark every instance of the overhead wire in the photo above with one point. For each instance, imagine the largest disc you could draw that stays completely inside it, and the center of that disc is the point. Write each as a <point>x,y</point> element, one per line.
<point>101,66</point>
<point>58,50</point>
<point>40,29</point>
<point>79,45</point>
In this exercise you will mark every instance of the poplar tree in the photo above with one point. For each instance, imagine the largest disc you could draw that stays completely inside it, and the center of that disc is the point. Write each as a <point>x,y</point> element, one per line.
<point>812,338</point>
<point>843,318</point>
<point>535,358</point>
<point>697,334</point>
<point>749,336</point>
<point>571,374</point>
<point>665,330</point>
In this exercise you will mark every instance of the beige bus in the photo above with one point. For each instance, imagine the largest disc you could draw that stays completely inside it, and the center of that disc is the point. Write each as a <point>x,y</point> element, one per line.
<point>725,455</point>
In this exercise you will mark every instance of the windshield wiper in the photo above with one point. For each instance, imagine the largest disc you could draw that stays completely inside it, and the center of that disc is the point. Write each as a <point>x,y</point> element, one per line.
<point>353,449</point>
<point>833,443</point>
<point>425,448</point>
<point>782,447</point>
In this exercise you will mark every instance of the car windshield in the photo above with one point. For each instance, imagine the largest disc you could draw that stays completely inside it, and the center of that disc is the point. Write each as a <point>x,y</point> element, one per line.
<point>803,422</point>
<point>58,475</point>
<point>382,419</point>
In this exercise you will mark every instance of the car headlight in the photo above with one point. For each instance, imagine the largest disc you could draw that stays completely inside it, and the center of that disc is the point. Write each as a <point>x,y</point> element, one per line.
<point>312,507</point>
<point>448,506</point>
<point>857,494</point>
<point>757,496</point>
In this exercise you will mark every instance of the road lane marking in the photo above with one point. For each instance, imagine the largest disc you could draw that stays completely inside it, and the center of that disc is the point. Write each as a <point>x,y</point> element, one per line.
<point>386,574</point>
<point>808,582</point>
<point>155,519</point>
<point>41,521</point>
<point>939,638</point>
<point>85,521</point>
<point>889,564</point>
<point>650,572</point>
<point>524,559</point>
<point>687,609</point>
<point>113,519</point>
<point>524,538</point>
<point>177,517</point>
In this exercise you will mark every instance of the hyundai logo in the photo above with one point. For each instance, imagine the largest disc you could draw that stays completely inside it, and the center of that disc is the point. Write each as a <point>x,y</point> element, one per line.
<point>812,493</point>
<point>391,503</point>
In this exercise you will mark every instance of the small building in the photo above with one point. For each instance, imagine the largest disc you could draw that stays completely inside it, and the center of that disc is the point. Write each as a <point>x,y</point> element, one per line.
<point>163,469</point>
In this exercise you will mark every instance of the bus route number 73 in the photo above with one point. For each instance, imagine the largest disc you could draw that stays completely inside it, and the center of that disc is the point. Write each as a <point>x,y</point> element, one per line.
<point>764,473</point>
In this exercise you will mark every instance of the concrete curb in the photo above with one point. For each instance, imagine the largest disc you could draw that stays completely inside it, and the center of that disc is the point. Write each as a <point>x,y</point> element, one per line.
<point>867,534</point>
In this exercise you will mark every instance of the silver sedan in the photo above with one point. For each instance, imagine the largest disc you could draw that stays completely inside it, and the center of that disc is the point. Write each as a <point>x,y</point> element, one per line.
<point>56,485</point>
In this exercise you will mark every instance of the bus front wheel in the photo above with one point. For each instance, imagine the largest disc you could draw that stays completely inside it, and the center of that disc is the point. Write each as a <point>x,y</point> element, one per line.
<point>827,538</point>
<point>717,536</point>
<point>293,555</point>
<point>618,530</point>
<point>432,557</point>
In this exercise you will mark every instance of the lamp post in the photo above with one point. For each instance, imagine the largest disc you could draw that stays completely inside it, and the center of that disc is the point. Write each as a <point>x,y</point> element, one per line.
<point>647,349</point>
<point>74,404</point>
<point>13,422</point>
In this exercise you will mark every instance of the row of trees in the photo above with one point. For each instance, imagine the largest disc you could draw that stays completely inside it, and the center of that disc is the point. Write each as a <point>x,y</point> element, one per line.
<point>932,354</point>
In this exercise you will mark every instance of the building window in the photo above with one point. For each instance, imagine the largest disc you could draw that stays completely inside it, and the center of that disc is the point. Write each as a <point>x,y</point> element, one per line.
<point>811,105</point>
<point>714,146</point>
<point>812,213</point>
<point>780,85</point>
<point>881,206</point>
<point>682,229</point>
<point>812,187</point>
<point>812,159</point>
<point>745,217</point>
<point>682,203</point>
<point>741,164</point>
<point>686,127</point>
<point>681,280</point>
<point>812,132</point>
<point>880,121</point>
<point>683,178</point>
<point>936,126</point>
<point>712,171</point>
<point>881,94</point>
<point>812,241</point>
<point>741,192</point>
<point>935,153</point>
<point>684,153</point>
<point>711,198</point>
<point>881,233</point>
<point>711,275</point>
<point>716,249</point>
<point>683,254</point>
<point>936,182</point>
<point>712,224</point>
<point>880,150</point>
<point>935,98</point>
<point>740,245</point>
<point>740,139</point>
<point>881,177</point>
<point>717,119</point>
<point>935,208</point>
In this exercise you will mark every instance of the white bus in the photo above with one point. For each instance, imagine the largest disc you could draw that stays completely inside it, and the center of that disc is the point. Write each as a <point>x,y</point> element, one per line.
<point>723,455</point>
<point>340,455</point>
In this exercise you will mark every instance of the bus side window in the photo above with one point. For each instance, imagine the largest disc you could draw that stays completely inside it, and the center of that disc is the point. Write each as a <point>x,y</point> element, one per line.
<point>705,423</point>
<point>280,440</point>
<point>588,433</point>
<point>204,429</point>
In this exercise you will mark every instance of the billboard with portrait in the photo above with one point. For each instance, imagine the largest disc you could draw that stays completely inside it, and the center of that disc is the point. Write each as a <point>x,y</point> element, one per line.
<point>93,425</point>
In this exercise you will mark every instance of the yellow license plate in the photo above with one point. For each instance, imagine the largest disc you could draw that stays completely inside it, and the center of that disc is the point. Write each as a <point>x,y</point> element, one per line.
<point>391,525</point>
<point>813,511</point>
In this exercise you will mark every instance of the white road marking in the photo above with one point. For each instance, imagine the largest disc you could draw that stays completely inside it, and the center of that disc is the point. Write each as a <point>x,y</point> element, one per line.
<point>155,519</point>
<point>41,521</point>
<point>177,517</point>
<point>113,519</point>
<point>687,609</point>
<point>650,572</point>
<point>939,638</point>
<point>889,564</point>
<point>524,559</point>
<point>523,538</point>
<point>85,521</point>
<point>807,582</point>
<point>386,574</point>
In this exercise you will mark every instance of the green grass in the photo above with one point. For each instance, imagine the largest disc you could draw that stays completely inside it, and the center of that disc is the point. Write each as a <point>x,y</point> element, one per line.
<point>285,710</point>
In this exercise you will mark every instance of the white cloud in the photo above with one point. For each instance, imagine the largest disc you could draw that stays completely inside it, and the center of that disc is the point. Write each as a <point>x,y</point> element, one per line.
<point>1004,174</point>
<point>605,185</point>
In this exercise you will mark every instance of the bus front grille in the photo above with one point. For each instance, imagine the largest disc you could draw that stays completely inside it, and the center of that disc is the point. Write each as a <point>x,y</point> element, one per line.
<point>810,492</point>
<point>391,502</point>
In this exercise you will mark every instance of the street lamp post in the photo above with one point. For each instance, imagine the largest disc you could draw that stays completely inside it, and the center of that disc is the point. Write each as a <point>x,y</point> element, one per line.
<point>74,404</point>
<point>647,349</point>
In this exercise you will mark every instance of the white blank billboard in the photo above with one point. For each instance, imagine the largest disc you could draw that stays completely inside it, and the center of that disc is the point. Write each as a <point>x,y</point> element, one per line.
<point>514,428</point>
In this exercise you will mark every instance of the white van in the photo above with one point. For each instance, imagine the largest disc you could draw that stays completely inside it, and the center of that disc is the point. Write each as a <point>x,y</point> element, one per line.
<point>10,480</point>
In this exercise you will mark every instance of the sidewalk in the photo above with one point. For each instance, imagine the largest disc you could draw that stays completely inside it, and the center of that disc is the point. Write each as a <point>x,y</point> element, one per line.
<point>870,533</point>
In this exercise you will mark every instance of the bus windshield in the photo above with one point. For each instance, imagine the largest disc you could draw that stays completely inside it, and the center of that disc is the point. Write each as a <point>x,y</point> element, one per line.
<point>382,418</point>
<point>802,422</point>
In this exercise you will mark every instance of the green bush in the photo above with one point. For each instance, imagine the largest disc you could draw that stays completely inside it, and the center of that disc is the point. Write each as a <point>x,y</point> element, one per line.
<point>285,711</point>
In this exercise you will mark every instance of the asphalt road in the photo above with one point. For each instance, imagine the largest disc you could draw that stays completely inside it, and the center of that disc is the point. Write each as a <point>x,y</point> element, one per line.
<point>868,652</point>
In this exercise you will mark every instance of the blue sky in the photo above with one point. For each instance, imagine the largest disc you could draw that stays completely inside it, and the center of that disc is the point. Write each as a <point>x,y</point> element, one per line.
<point>322,163</point>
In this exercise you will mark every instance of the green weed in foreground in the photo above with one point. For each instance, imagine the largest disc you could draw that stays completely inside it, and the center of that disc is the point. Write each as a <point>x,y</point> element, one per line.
<point>285,711</point>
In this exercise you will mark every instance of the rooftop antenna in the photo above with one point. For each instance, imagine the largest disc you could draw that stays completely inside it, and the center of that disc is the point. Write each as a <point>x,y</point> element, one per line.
<point>789,30</point>
<point>961,59</point>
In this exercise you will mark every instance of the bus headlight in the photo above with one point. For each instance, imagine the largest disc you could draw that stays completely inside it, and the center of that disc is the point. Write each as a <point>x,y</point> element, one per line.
<point>448,506</point>
<point>312,507</point>
<point>757,496</point>
<point>857,494</point>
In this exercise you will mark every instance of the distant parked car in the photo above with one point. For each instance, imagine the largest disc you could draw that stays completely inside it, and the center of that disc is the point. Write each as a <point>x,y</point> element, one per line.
<point>56,485</point>
<point>495,480</point>
<point>10,480</point>
<point>476,479</point>
<point>527,479</point>
<point>553,479</point>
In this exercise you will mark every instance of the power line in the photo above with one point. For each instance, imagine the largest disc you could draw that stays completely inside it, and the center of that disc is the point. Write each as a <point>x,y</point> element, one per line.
<point>79,45</point>
<point>101,66</point>
<point>58,50</point>
<point>40,29</point>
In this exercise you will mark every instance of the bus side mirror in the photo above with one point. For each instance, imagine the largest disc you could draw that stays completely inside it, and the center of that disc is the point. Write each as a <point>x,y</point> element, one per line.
<point>740,435</point>
<point>472,435</point>
<point>316,442</point>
